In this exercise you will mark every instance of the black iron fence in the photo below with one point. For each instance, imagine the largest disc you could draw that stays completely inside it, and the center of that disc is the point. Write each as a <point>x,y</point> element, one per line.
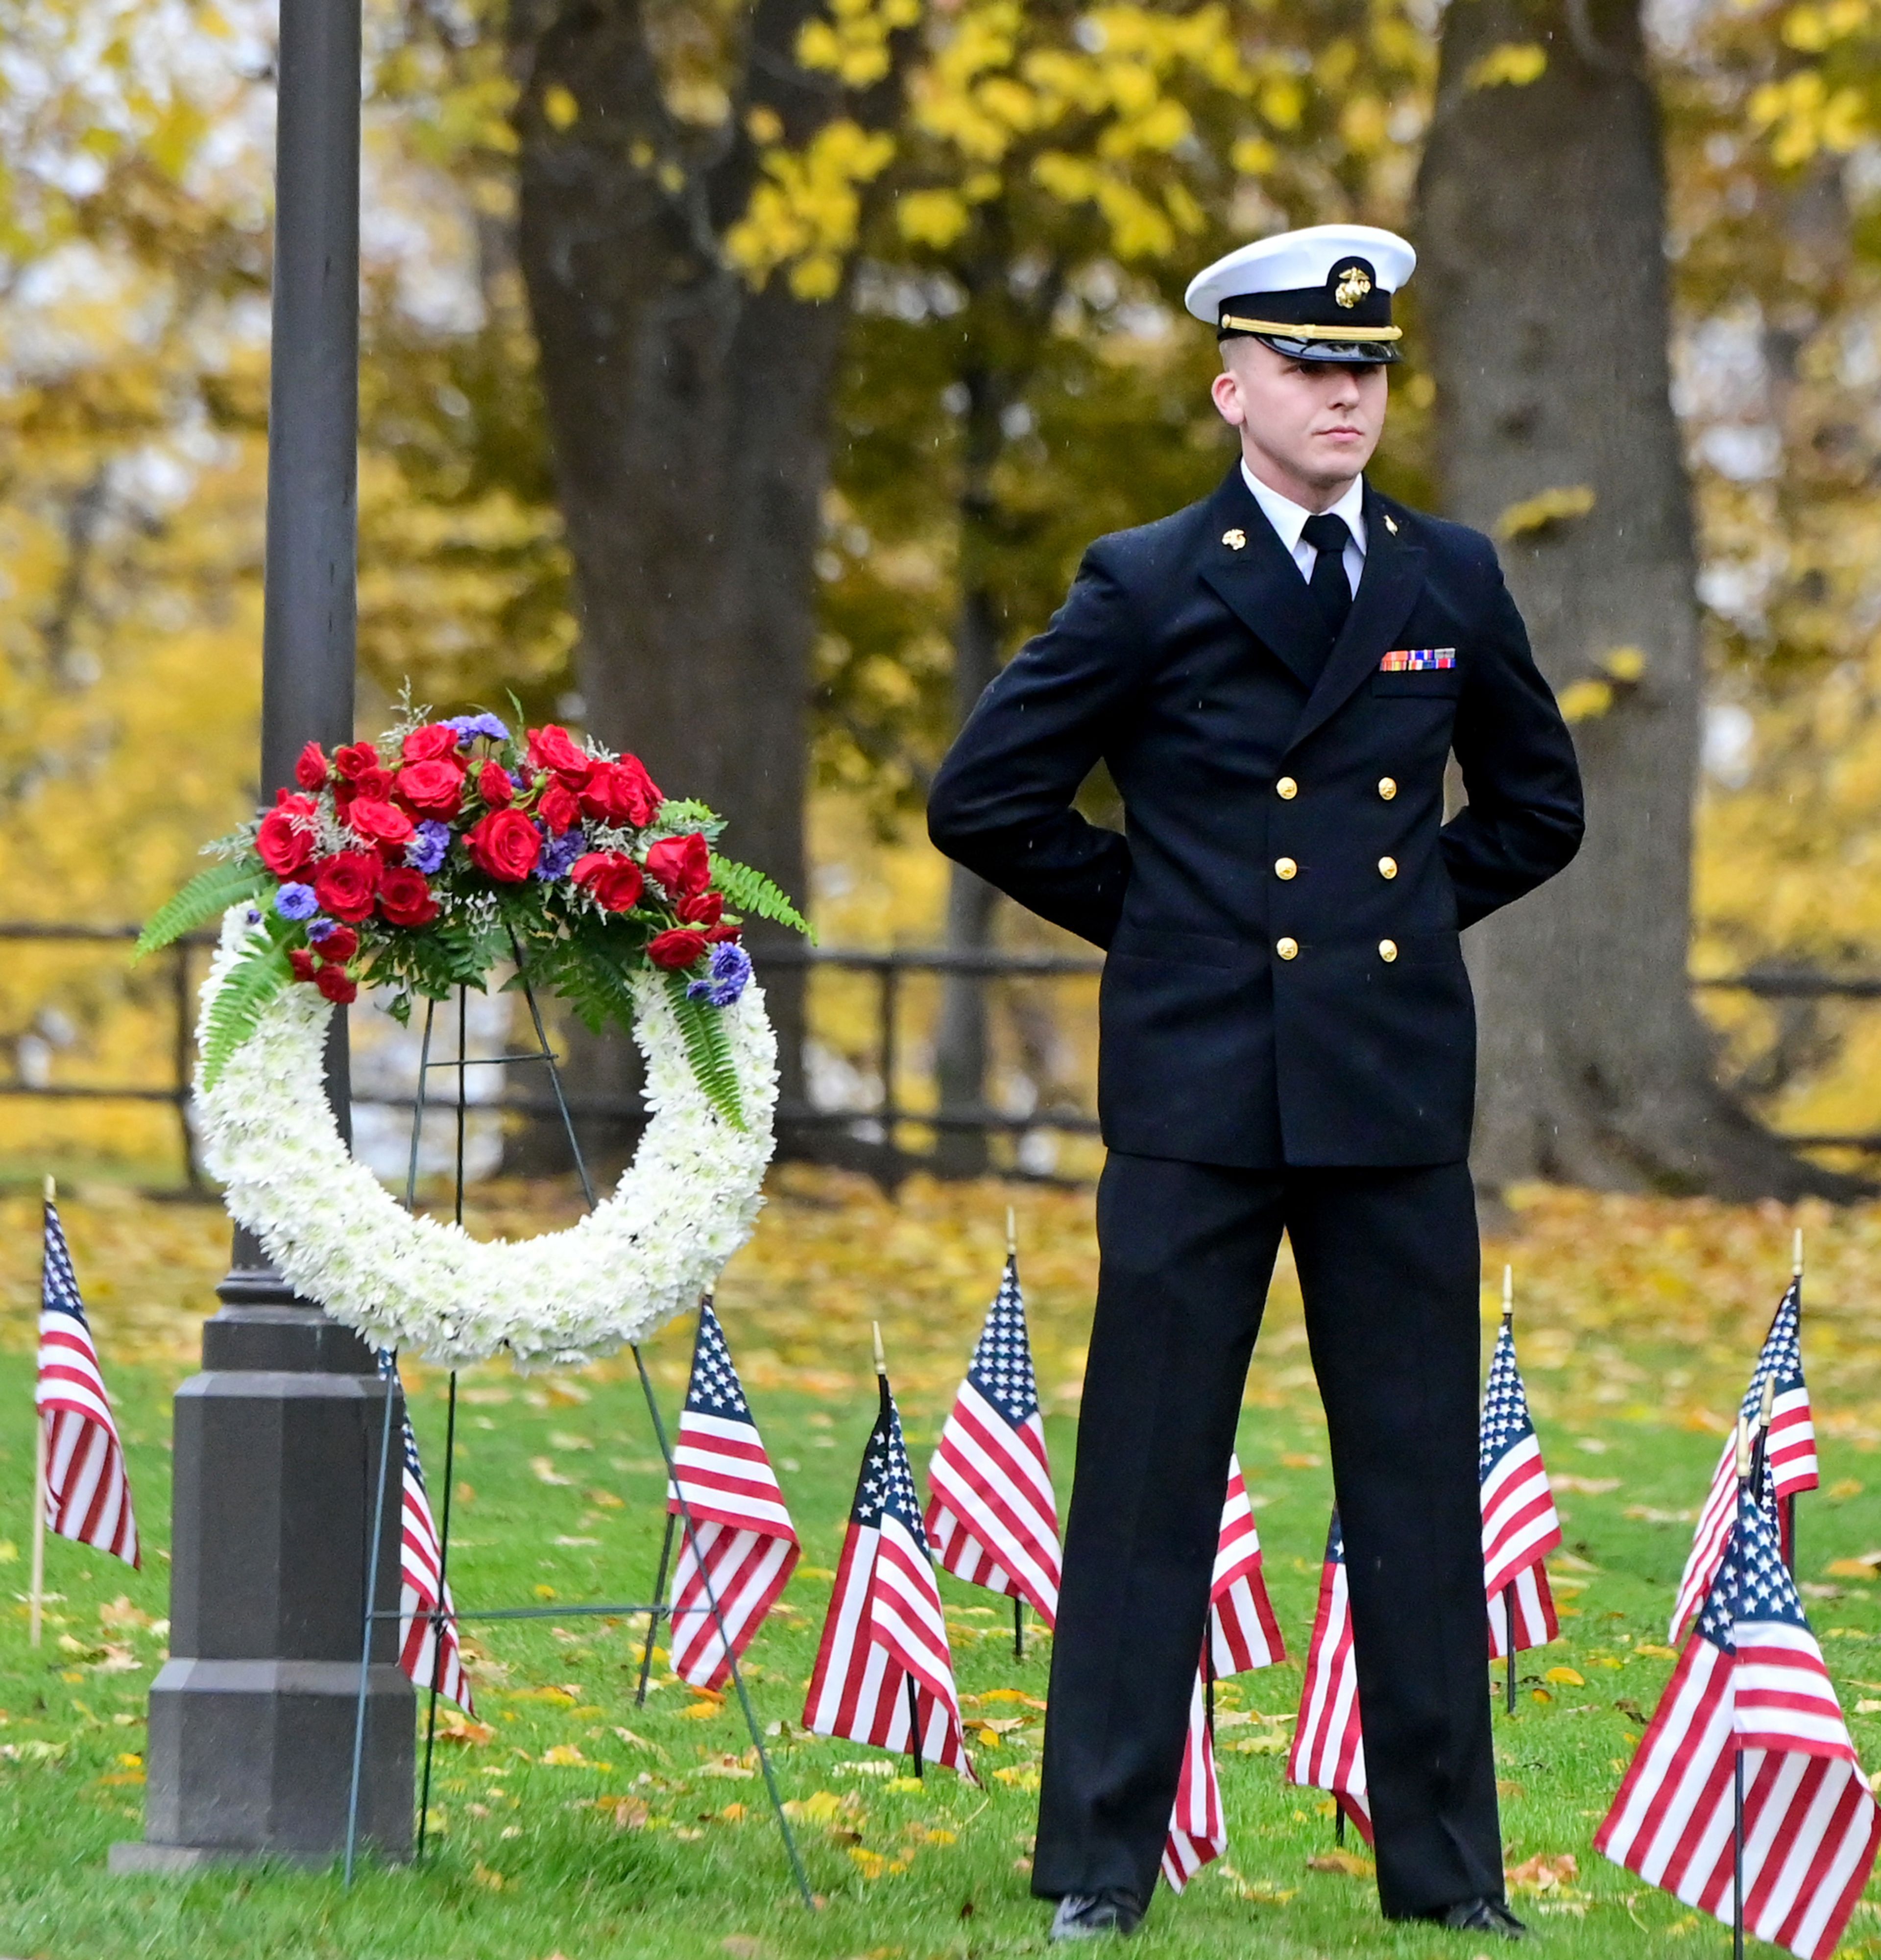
<point>882,1126</point>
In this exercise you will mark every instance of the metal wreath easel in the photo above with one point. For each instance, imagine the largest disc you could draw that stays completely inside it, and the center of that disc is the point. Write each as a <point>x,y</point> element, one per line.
<point>437,1616</point>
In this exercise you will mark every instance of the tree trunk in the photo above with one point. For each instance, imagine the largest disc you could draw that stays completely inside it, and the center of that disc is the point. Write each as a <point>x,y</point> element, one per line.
<point>1543,286</point>
<point>687,415</point>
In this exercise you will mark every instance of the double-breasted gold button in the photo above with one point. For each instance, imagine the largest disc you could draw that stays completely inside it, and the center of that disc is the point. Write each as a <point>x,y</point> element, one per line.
<point>1287,949</point>
<point>1387,787</point>
<point>1286,789</point>
<point>1387,950</point>
<point>1387,867</point>
<point>1285,867</point>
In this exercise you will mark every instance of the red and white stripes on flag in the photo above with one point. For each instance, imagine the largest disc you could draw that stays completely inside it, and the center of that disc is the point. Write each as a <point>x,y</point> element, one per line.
<point>1519,1525</point>
<point>1751,1680</point>
<point>992,1519</point>
<point>885,1628</point>
<point>1243,1633</point>
<point>428,1652</point>
<point>88,1494</point>
<point>1790,1464</point>
<point>1197,1831</point>
<point>743,1547</point>
<point>1329,1747</point>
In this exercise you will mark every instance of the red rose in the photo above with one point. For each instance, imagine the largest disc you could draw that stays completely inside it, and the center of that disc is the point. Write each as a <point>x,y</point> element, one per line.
<point>705,909</point>
<point>682,864</point>
<point>675,949</point>
<point>285,841</point>
<point>301,961</point>
<point>353,760</point>
<point>405,898</point>
<point>374,784</point>
<point>432,788</point>
<point>505,844</point>
<point>495,787</point>
<point>622,792</point>
<point>379,823</point>
<point>559,807</point>
<point>311,771</point>
<point>340,944</point>
<point>344,884</point>
<point>434,743</point>
<point>613,876</point>
<point>332,982</point>
<point>554,748</point>
<point>717,933</point>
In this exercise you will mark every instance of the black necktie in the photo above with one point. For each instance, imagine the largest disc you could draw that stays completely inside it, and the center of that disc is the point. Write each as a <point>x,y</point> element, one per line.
<point>1328,536</point>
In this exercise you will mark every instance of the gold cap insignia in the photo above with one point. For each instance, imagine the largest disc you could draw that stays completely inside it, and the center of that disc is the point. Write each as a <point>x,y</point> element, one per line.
<point>1235,538</point>
<point>1390,525</point>
<point>1353,286</point>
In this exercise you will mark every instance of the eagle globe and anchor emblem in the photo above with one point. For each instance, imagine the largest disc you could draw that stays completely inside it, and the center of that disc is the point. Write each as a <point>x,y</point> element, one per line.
<point>1353,286</point>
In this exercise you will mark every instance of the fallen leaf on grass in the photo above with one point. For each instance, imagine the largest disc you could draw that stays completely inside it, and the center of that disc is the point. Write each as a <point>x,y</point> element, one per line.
<point>1584,1486</point>
<point>1001,1694</point>
<point>565,1756</point>
<point>481,1875</point>
<point>545,1472</point>
<point>905,1786</point>
<point>1542,1873</point>
<point>1868,1566</point>
<point>458,1727</point>
<point>34,1751</point>
<point>627,1813</point>
<point>1298,1459</point>
<point>1652,1651</point>
<point>1843,1488</point>
<point>120,1612</point>
<point>1349,1863</point>
<point>628,1736</point>
<point>823,1807</point>
<point>1017,1776</point>
<point>1649,1514</point>
<point>574,1543</point>
<point>727,1767</point>
<point>1258,1745</point>
<point>1256,1892</point>
<point>1868,1705</point>
<point>1565,1677</point>
<point>873,1864</point>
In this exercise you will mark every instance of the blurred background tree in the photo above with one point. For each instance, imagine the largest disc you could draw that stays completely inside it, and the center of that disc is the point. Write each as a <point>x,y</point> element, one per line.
<point>745,383</point>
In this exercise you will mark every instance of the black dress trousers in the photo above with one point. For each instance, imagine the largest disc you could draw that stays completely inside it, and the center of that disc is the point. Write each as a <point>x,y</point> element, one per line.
<point>1389,1267</point>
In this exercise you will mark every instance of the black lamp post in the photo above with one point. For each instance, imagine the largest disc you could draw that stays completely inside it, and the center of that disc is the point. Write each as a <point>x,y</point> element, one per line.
<point>277,1440</point>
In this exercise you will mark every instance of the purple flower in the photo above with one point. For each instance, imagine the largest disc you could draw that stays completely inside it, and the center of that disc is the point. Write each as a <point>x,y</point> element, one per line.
<point>469,727</point>
<point>426,850</point>
<point>558,855</point>
<point>296,901</point>
<point>318,929</point>
<point>727,977</point>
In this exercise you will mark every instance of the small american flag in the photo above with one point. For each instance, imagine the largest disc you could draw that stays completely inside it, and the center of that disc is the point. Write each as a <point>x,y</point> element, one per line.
<point>1243,1633</point>
<point>992,1518</point>
<point>746,1545</point>
<point>1789,1463</point>
<point>1751,1679</point>
<point>427,1635</point>
<point>885,1625</point>
<point>1197,1831</point>
<point>88,1494</point>
<point>1520,1527</point>
<point>1329,1748</point>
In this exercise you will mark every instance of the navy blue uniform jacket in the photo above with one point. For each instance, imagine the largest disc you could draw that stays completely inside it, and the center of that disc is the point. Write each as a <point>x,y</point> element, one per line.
<point>1188,667</point>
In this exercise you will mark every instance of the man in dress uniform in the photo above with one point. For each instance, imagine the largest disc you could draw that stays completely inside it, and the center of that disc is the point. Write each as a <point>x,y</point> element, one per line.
<point>1277,677</point>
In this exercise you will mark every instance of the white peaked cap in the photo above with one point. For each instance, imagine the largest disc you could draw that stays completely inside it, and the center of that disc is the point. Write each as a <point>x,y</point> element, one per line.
<point>1291,261</point>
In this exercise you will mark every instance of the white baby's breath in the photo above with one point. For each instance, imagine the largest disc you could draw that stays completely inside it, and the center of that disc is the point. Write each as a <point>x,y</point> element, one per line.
<point>646,1252</point>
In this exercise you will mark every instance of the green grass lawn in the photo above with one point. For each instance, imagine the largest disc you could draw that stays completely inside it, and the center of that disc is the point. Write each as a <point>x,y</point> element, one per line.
<point>562,1835</point>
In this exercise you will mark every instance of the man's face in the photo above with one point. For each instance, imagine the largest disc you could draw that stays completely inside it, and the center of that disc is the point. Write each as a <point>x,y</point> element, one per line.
<point>1308,425</point>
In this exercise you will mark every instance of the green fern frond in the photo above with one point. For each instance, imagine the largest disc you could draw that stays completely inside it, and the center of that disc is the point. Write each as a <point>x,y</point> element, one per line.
<point>709,1049</point>
<point>751,891</point>
<point>207,895</point>
<point>682,813</point>
<point>236,1013</point>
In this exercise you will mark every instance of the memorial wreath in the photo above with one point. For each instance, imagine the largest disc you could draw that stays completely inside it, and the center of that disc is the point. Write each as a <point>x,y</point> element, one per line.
<point>424,862</point>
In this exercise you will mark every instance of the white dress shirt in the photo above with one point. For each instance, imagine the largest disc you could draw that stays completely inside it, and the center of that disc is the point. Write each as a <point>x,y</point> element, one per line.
<point>1289,520</point>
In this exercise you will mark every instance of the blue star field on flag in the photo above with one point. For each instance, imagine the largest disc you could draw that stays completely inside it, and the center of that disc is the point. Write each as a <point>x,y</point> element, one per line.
<point>715,1388</point>
<point>1782,1359</point>
<point>1506,1420</point>
<point>886,1486</point>
<point>1752,1583</point>
<point>1001,1367</point>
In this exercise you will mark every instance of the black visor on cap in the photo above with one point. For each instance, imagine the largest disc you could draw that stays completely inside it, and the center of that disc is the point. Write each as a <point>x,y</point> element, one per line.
<point>1350,309</point>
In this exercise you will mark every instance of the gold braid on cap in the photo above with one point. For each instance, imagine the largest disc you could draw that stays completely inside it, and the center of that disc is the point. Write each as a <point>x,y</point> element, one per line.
<point>1301,330</point>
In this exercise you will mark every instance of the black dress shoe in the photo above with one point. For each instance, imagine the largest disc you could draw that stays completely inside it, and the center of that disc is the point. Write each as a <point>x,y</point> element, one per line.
<point>1089,1915</point>
<point>1481,1915</point>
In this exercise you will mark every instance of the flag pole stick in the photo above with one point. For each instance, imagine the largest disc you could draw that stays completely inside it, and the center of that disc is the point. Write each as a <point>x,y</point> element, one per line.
<point>35,1594</point>
<point>1789,1503</point>
<point>1018,1601</point>
<point>1508,1591</point>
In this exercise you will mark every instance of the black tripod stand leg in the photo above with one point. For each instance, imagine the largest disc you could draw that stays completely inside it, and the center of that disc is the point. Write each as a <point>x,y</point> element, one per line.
<point>653,1618</point>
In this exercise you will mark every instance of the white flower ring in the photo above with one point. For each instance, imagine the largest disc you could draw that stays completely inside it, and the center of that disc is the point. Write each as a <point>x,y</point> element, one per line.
<point>684,1206</point>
